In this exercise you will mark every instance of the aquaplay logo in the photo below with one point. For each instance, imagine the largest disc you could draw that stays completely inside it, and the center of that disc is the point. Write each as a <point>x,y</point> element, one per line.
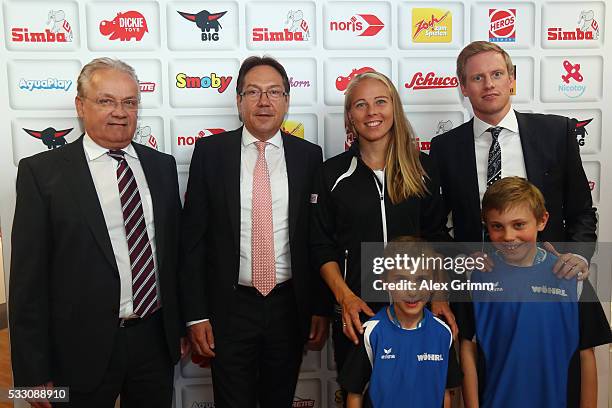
<point>220,83</point>
<point>502,25</point>
<point>363,25</point>
<point>296,29</point>
<point>125,26</point>
<point>431,81</point>
<point>293,127</point>
<point>206,21</point>
<point>58,30</point>
<point>343,81</point>
<point>586,30</point>
<point>45,84</point>
<point>432,25</point>
<point>572,79</point>
<point>50,137</point>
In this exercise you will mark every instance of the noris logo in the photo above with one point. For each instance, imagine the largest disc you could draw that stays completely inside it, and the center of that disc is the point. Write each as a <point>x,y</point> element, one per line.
<point>432,25</point>
<point>125,26</point>
<point>206,21</point>
<point>431,81</point>
<point>220,83</point>
<point>60,30</point>
<point>190,140</point>
<point>296,29</point>
<point>502,25</point>
<point>49,83</point>
<point>364,25</point>
<point>587,29</point>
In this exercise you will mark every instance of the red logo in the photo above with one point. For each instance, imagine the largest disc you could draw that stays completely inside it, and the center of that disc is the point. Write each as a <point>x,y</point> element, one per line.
<point>573,72</point>
<point>147,86</point>
<point>296,30</point>
<point>430,81</point>
<point>423,146</point>
<point>588,29</point>
<point>374,25</point>
<point>125,26</point>
<point>343,81</point>
<point>190,140</point>
<point>502,25</point>
<point>591,185</point>
<point>60,30</point>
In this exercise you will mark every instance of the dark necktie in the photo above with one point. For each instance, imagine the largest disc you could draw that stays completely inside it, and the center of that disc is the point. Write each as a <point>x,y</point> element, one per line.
<point>494,163</point>
<point>144,290</point>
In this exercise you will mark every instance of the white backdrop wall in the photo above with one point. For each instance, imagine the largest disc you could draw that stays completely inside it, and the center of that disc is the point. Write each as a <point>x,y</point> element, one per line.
<point>561,50</point>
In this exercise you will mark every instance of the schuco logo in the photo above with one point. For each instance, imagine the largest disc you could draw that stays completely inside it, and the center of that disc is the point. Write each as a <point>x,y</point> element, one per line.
<point>502,25</point>
<point>431,81</point>
<point>373,25</point>
<point>125,26</point>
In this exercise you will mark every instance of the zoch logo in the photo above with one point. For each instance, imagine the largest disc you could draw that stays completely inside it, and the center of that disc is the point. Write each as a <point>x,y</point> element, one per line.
<point>296,29</point>
<point>364,25</point>
<point>587,29</point>
<point>502,25</point>
<point>431,25</point>
<point>125,26</point>
<point>146,86</point>
<point>431,81</point>
<point>443,126</point>
<point>430,357</point>
<point>423,146</point>
<point>302,402</point>
<point>144,136</point>
<point>45,84</point>
<point>190,140</point>
<point>343,81</point>
<point>569,89</point>
<point>580,130</point>
<point>296,83</point>
<point>220,83</point>
<point>206,21</point>
<point>387,354</point>
<point>293,127</point>
<point>50,137</point>
<point>60,30</point>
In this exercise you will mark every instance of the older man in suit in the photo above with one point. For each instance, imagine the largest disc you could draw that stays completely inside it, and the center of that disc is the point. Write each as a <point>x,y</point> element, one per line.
<point>93,299</point>
<point>248,289</point>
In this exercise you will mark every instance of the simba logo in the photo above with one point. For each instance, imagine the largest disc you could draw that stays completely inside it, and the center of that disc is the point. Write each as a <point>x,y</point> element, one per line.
<point>60,30</point>
<point>430,357</point>
<point>545,290</point>
<point>387,355</point>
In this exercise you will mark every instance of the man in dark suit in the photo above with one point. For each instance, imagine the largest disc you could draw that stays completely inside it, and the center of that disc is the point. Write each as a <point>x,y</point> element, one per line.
<point>93,297</point>
<point>500,142</point>
<point>247,276</point>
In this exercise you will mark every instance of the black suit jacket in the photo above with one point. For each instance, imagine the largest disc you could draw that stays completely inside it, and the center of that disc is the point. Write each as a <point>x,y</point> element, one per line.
<point>211,228</point>
<point>64,282</point>
<point>553,164</point>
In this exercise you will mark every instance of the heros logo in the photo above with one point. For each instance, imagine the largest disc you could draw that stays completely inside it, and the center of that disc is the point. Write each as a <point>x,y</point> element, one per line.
<point>431,81</point>
<point>60,30</point>
<point>125,26</point>
<point>502,25</point>
<point>343,81</point>
<point>580,130</point>
<point>432,25</point>
<point>372,26</point>
<point>587,29</point>
<point>190,140</point>
<point>143,136</point>
<point>49,83</point>
<point>220,83</point>
<point>50,137</point>
<point>569,89</point>
<point>296,29</point>
<point>206,21</point>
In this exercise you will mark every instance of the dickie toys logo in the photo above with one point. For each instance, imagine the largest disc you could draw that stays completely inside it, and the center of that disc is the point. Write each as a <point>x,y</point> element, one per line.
<point>432,25</point>
<point>580,130</point>
<point>190,140</point>
<point>343,81</point>
<point>125,26</point>
<point>60,30</point>
<point>587,29</point>
<point>49,137</point>
<point>572,78</point>
<point>296,29</point>
<point>431,81</point>
<point>206,21</point>
<point>502,25</point>
<point>220,83</point>
<point>363,25</point>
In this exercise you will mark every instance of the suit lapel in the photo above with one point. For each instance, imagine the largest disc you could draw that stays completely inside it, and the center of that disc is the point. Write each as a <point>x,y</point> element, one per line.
<point>529,142</point>
<point>231,173</point>
<point>296,163</point>
<point>467,151</point>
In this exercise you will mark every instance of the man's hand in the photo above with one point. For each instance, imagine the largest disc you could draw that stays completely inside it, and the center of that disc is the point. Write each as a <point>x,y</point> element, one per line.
<point>352,305</point>
<point>185,346</point>
<point>568,265</point>
<point>202,338</point>
<point>441,308</point>
<point>42,403</point>
<point>319,330</point>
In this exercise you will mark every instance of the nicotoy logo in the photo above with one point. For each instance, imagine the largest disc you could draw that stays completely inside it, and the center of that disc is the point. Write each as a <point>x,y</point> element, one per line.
<point>49,137</point>
<point>587,29</point>
<point>296,29</point>
<point>49,83</point>
<point>206,21</point>
<point>431,81</point>
<point>125,26</point>
<point>190,140</point>
<point>580,130</point>
<point>143,136</point>
<point>220,83</point>
<point>572,73</point>
<point>343,81</point>
<point>60,30</point>
<point>431,25</point>
<point>366,25</point>
<point>502,25</point>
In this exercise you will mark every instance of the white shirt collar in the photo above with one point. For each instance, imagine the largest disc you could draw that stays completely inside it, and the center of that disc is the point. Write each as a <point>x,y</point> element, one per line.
<point>95,151</point>
<point>508,122</point>
<point>248,138</point>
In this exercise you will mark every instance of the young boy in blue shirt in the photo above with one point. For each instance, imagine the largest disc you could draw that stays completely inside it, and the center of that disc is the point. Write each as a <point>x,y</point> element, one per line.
<point>528,342</point>
<point>406,357</point>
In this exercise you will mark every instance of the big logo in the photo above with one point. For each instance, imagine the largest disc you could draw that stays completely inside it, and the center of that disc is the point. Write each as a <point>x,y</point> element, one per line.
<point>49,137</point>
<point>343,81</point>
<point>125,26</point>
<point>60,30</point>
<point>580,130</point>
<point>502,25</point>
<point>363,25</point>
<point>587,29</point>
<point>296,29</point>
<point>572,78</point>
<point>206,21</point>
<point>432,25</point>
<point>431,81</point>
<point>220,83</point>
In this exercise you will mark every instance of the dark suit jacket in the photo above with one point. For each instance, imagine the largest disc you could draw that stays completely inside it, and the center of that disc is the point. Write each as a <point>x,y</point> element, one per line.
<point>553,164</point>
<point>211,228</point>
<point>64,283</point>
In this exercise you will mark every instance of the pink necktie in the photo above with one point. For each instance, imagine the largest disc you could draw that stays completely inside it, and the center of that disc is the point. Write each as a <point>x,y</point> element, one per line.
<point>263,259</point>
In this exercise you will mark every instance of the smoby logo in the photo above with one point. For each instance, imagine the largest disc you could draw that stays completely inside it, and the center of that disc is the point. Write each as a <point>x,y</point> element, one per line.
<point>430,357</point>
<point>580,130</point>
<point>206,21</point>
<point>423,146</point>
<point>220,83</point>
<point>146,86</point>
<point>144,136</point>
<point>363,25</point>
<point>586,30</point>
<point>125,26</point>
<point>443,126</point>
<point>293,127</point>
<point>60,30</point>
<point>572,78</point>
<point>302,402</point>
<point>432,25</point>
<point>343,81</point>
<point>190,140</point>
<point>431,81</point>
<point>387,354</point>
<point>502,25</point>
<point>49,137</point>
<point>297,83</point>
<point>296,29</point>
<point>45,84</point>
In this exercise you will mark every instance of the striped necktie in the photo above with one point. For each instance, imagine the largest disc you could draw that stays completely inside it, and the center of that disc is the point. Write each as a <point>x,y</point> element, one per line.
<point>494,163</point>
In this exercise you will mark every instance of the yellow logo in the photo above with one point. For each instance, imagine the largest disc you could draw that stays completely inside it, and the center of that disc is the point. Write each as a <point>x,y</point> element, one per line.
<point>293,127</point>
<point>432,25</point>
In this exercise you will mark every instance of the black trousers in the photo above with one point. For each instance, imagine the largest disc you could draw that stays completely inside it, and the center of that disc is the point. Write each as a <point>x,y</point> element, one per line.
<point>258,359</point>
<point>140,370</point>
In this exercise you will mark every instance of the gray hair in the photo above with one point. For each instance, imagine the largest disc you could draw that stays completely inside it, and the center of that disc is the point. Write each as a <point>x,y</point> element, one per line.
<point>99,64</point>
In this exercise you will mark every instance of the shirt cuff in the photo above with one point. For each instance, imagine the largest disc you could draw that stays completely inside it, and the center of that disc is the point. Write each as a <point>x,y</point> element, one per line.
<point>583,258</point>
<point>191,323</point>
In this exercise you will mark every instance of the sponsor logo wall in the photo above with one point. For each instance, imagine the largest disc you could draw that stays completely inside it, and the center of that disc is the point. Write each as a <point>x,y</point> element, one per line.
<point>187,56</point>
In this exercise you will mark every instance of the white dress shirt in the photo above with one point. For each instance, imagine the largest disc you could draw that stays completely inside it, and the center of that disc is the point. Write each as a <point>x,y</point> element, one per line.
<point>513,162</point>
<point>103,170</point>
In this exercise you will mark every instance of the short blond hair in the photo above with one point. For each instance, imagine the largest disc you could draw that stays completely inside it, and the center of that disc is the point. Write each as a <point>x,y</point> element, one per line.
<point>478,47</point>
<point>511,192</point>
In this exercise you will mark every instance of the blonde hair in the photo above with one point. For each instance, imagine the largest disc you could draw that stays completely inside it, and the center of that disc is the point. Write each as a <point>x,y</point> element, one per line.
<point>478,47</point>
<point>404,172</point>
<point>510,192</point>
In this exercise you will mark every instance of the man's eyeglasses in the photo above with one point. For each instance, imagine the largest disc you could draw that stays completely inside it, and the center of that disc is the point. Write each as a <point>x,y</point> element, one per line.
<point>111,104</point>
<point>253,94</point>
